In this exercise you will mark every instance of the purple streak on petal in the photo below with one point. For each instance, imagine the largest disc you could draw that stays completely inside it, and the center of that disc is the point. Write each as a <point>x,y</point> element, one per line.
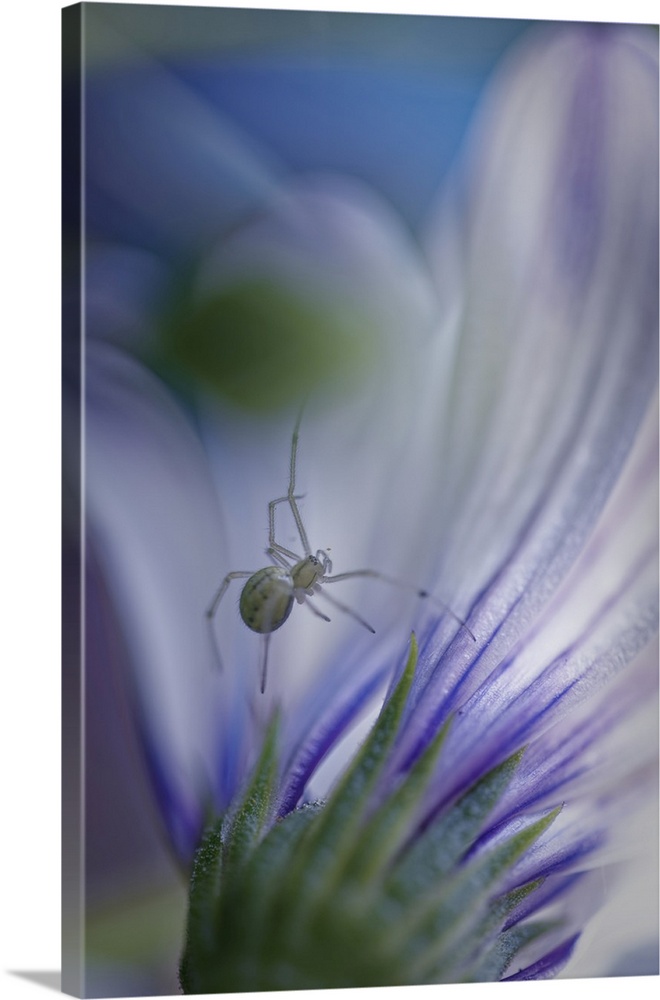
<point>532,791</point>
<point>543,861</point>
<point>183,820</point>
<point>153,523</point>
<point>325,734</point>
<point>539,699</point>
<point>230,757</point>
<point>549,965</point>
<point>538,793</point>
<point>499,733</point>
<point>107,659</point>
<point>179,807</point>
<point>559,758</point>
<point>563,847</point>
<point>508,737</point>
<point>477,760</point>
<point>553,888</point>
<point>533,595</point>
<point>580,188</point>
<point>439,690</point>
<point>179,810</point>
<point>606,336</point>
<point>497,721</point>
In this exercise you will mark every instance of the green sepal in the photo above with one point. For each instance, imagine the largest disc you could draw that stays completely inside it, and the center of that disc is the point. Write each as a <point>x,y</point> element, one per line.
<point>247,913</point>
<point>498,958</point>
<point>452,910</point>
<point>224,848</point>
<point>349,893</point>
<point>245,826</point>
<point>201,926</point>
<point>389,828</point>
<point>469,948</point>
<point>444,842</point>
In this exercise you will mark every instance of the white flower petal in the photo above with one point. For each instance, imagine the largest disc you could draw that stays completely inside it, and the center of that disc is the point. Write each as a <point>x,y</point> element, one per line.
<point>155,531</point>
<point>554,359</point>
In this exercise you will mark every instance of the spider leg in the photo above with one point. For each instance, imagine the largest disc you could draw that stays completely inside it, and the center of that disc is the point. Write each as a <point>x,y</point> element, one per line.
<point>291,497</point>
<point>291,500</point>
<point>292,487</point>
<point>213,607</point>
<point>282,557</point>
<point>237,575</point>
<point>345,608</point>
<point>264,660</point>
<point>315,610</point>
<point>374,574</point>
<point>276,548</point>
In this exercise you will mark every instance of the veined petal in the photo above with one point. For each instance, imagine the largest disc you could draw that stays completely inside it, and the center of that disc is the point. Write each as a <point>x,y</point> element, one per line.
<point>524,496</point>
<point>599,745</point>
<point>599,620</point>
<point>570,124</point>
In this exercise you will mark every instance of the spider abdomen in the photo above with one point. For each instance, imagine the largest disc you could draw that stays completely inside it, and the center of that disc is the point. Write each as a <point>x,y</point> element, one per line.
<point>267,599</point>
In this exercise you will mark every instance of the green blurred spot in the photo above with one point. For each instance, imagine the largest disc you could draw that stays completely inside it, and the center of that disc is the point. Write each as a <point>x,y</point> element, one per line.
<point>261,346</point>
<point>140,928</point>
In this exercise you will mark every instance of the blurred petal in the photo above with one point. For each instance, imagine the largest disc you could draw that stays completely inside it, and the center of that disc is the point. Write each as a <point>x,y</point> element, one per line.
<point>553,369</point>
<point>547,966</point>
<point>304,300</point>
<point>154,531</point>
<point>147,135</point>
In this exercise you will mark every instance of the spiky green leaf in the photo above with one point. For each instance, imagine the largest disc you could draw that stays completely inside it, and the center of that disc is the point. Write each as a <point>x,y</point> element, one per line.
<point>349,893</point>
<point>245,826</point>
<point>201,928</point>
<point>447,840</point>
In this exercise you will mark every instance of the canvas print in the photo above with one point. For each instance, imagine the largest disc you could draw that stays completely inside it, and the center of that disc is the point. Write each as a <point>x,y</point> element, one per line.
<point>360,500</point>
